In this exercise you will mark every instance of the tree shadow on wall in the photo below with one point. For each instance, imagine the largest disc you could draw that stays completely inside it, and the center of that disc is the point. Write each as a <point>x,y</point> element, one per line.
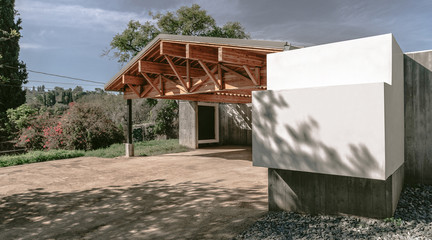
<point>303,149</point>
<point>151,210</point>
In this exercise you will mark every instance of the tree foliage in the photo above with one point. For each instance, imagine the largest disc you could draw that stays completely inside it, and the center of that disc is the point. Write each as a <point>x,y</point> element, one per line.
<point>12,71</point>
<point>192,21</point>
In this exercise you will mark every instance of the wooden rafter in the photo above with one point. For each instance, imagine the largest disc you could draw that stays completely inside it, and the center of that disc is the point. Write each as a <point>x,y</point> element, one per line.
<point>145,91</point>
<point>180,78</point>
<point>251,75</point>
<point>210,74</point>
<point>137,92</point>
<point>151,82</point>
<point>180,87</point>
<point>234,72</point>
<point>203,81</point>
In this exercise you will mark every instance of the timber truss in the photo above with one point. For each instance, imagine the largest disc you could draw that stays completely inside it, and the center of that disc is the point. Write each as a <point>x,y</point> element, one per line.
<point>196,69</point>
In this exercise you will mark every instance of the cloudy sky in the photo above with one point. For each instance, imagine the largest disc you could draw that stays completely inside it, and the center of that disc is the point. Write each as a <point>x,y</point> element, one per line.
<point>67,37</point>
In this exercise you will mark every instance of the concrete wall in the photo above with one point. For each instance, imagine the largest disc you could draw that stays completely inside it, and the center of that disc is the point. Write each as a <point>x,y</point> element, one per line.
<point>341,112</point>
<point>366,60</point>
<point>418,117</point>
<point>235,122</point>
<point>188,124</point>
<point>328,194</point>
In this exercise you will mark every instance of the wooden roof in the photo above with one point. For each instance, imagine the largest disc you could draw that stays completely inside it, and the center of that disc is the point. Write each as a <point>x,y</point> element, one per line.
<point>197,69</point>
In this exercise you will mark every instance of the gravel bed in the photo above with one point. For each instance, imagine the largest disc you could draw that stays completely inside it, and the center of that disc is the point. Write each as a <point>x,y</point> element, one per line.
<point>412,220</point>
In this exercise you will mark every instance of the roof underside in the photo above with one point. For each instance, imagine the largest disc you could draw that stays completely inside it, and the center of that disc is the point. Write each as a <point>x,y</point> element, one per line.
<point>197,69</point>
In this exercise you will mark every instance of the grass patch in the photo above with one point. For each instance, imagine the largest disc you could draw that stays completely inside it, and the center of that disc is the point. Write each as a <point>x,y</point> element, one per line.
<point>38,156</point>
<point>149,148</point>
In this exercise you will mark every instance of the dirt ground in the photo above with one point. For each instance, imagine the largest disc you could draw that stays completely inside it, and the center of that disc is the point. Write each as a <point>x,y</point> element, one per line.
<point>203,194</point>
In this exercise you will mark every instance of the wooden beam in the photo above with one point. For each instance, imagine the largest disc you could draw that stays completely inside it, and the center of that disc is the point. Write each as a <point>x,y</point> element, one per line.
<point>130,79</point>
<point>251,75</point>
<point>209,74</point>
<point>258,75</point>
<point>180,87</point>
<point>234,72</point>
<point>209,97</point>
<point>161,85</point>
<point>173,49</point>
<point>220,76</point>
<point>137,92</point>
<point>203,81</point>
<point>180,78</point>
<point>189,80</point>
<point>151,82</point>
<point>146,91</point>
<point>163,68</point>
<point>241,57</point>
<point>203,53</point>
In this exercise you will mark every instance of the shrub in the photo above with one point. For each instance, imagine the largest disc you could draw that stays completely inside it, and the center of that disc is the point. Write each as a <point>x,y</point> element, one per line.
<point>86,127</point>
<point>34,136</point>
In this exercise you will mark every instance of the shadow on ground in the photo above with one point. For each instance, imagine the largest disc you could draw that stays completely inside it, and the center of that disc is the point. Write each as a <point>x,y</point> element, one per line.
<point>151,210</point>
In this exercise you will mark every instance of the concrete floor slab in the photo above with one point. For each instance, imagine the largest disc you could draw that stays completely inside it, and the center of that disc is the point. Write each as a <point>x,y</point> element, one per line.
<point>211,193</point>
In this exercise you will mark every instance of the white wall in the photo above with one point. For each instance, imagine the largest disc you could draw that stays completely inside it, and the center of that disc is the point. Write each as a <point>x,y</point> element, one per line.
<point>366,60</point>
<point>334,109</point>
<point>333,130</point>
<point>394,113</point>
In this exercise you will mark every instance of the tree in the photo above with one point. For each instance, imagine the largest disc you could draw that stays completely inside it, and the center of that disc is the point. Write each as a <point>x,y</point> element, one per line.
<point>12,71</point>
<point>192,21</point>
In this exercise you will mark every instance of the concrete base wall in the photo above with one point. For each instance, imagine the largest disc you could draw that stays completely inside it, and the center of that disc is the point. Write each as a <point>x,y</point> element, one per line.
<point>330,194</point>
<point>188,124</point>
<point>418,117</point>
<point>235,122</point>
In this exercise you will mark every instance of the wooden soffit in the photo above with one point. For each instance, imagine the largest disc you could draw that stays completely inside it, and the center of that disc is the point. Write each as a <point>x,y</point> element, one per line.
<point>196,69</point>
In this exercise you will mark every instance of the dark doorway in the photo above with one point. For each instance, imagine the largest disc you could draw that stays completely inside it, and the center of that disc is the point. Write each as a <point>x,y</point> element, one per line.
<point>206,122</point>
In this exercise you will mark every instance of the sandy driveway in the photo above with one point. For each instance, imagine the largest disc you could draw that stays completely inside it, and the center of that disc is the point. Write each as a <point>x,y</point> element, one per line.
<point>203,194</point>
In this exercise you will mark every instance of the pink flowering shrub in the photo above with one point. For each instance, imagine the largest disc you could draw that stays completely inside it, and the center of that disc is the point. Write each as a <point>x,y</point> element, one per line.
<point>33,137</point>
<point>82,127</point>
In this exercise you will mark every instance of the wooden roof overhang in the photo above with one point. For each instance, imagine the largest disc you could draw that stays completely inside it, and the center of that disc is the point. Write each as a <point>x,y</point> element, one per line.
<point>197,69</point>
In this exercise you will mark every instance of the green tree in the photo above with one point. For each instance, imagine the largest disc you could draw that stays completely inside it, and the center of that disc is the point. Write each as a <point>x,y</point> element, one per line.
<point>12,71</point>
<point>20,117</point>
<point>192,21</point>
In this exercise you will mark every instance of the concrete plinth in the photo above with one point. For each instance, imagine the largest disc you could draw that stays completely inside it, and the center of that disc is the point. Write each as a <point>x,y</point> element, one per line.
<point>129,150</point>
<point>316,193</point>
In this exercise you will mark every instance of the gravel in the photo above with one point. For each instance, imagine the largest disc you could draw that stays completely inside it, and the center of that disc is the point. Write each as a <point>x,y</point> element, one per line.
<point>412,220</point>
